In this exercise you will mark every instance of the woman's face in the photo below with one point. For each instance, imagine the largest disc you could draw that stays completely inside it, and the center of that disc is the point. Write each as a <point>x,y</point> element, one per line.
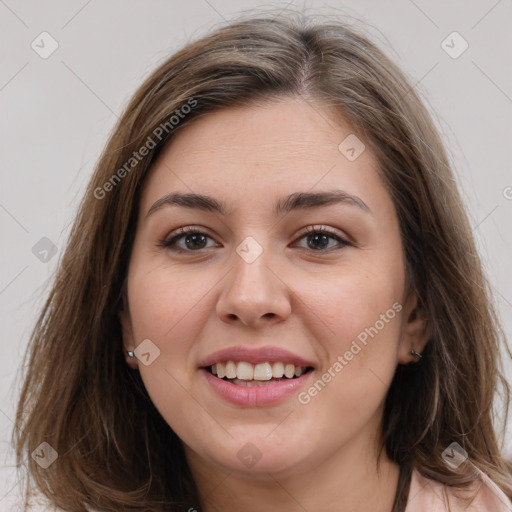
<point>253,293</point>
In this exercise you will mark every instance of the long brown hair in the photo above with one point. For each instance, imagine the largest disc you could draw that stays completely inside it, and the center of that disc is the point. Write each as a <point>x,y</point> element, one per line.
<point>115,451</point>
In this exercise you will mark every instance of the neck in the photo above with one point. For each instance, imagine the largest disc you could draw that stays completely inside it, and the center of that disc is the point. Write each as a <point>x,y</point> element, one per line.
<point>347,481</point>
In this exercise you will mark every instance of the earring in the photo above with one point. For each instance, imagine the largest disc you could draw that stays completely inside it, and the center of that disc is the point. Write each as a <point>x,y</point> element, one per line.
<point>130,353</point>
<point>417,354</point>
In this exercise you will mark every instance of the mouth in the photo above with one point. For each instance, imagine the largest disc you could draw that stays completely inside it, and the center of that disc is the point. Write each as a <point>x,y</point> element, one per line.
<point>253,377</point>
<point>246,374</point>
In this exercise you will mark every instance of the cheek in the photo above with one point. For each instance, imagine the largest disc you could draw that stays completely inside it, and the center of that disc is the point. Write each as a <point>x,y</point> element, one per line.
<point>361,313</point>
<point>350,301</point>
<point>362,309</point>
<point>163,309</point>
<point>160,300</point>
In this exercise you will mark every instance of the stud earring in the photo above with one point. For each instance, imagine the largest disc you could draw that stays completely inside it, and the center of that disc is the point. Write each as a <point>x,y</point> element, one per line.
<point>130,353</point>
<point>417,354</point>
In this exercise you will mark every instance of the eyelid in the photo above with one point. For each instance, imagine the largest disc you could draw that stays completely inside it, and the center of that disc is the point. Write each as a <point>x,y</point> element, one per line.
<point>343,239</point>
<point>181,231</point>
<point>314,228</point>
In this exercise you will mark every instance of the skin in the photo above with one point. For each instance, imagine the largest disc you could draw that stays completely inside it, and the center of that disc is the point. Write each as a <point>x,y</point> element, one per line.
<point>312,300</point>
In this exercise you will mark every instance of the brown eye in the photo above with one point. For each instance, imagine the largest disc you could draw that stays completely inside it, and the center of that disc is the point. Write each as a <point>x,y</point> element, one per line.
<point>187,240</point>
<point>318,239</point>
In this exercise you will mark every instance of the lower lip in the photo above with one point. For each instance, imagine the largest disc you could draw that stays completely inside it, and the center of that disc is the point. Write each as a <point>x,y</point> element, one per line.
<point>255,396</point>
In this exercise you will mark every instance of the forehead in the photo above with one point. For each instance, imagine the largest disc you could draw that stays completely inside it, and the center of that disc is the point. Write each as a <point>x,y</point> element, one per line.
<point>253,151</point>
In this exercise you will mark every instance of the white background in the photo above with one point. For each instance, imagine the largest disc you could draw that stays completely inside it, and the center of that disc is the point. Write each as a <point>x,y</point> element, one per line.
<point>56,114</point>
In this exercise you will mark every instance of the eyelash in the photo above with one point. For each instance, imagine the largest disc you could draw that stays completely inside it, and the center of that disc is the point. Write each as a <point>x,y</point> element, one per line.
<point>170,242</point>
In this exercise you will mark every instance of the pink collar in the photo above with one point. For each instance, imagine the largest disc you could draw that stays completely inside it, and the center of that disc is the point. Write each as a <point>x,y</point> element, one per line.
<point>426,495</point>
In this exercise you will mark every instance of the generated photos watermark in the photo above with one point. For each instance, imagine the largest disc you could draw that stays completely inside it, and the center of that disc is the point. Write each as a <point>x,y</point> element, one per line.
<point>159,133</point>
<point>343,360</point>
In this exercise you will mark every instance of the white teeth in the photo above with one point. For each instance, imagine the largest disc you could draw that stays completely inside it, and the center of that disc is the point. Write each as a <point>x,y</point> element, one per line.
<point>231,370</point>
<point>262,371</point>
<point>243,371</point>
<point>277,370</point>
<point>289,370</point>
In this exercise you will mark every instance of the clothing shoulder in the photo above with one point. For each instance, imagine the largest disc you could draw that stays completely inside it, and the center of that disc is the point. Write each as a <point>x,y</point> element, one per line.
<point>426,495</point>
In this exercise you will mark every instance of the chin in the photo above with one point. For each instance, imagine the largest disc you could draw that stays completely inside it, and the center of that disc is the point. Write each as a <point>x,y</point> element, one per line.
<point>256,457</point>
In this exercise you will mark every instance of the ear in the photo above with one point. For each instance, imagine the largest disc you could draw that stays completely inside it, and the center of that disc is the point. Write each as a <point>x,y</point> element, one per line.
<point>128,340</point>
<point>415,331</point>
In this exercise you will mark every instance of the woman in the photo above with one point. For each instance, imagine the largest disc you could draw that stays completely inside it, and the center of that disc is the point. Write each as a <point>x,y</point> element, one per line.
<point>270,298</point>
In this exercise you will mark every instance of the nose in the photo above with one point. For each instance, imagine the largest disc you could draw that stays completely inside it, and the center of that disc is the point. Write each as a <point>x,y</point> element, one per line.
<point>253,294</point>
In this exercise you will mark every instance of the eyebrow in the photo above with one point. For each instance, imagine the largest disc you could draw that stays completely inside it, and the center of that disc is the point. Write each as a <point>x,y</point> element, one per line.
<point>295,201</point>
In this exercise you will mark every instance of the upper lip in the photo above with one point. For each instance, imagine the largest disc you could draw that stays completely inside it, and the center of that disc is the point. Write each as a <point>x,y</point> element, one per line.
<point>254,356</point>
